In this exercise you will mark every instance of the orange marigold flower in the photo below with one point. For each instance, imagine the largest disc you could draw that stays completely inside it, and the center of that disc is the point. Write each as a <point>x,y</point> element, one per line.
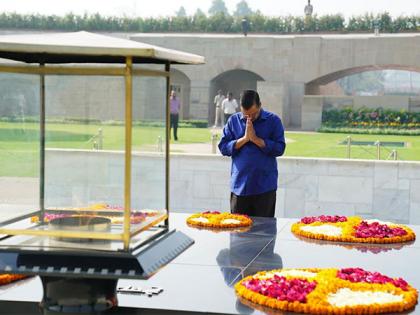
<point>354,230</point>
<point>9,278</point>
<point>324,291</point>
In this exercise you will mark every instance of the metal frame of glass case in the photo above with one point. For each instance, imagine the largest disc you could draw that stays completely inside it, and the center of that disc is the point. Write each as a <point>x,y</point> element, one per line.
<point>46,55</point>
<point>127,72</point>
<point>46,67</point>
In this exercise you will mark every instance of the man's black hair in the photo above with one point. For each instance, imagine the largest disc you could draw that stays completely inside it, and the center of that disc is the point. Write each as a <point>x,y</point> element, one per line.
<point>249,98</point>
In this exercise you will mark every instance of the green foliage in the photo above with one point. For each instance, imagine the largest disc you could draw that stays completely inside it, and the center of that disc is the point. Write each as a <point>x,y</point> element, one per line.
<point>218,20</point>
<point>374,121</point>
<point>242,9</point>
<point>368,81</point>
<point>218,7</point>
<point>370,131</point>
<point>181,12</point>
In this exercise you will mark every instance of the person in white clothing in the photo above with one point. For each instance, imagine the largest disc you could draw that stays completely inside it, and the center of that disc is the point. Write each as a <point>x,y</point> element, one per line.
<point>218,99</point>
<point>229,106</point>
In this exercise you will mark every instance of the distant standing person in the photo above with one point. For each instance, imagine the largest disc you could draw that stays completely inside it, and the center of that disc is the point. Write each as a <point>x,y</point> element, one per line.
<point>253,138</point>
<point>218,100</point>
<point>175,105</point>
<point>229,106</point>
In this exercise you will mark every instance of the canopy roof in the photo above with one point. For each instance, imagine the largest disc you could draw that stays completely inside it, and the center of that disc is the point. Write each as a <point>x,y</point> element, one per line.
<point>85,47</point>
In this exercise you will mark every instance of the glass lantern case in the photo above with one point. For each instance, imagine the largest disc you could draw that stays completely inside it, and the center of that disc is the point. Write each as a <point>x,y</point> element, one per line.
<point>84,129</point>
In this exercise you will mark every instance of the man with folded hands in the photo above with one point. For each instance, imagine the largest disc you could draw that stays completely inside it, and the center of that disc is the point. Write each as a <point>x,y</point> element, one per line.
<point>253,138</point>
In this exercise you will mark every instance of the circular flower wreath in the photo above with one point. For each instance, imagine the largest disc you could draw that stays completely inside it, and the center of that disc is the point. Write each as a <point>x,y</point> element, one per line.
<point>215,219</point>
<point>327,291</point>
<point>352,229</point>
<point>136,217</point>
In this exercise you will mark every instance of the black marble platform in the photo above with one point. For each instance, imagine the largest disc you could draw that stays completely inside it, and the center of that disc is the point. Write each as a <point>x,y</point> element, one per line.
<point>201,279</point>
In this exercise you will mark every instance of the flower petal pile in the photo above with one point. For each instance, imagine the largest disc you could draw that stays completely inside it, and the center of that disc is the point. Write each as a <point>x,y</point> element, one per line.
<point>215,219</point>
<point>282,289</point>
<point>375,229</point>
<point>324,219</point>
<point>352,229</point>
<point>360,275</point>
<point>327,291</point>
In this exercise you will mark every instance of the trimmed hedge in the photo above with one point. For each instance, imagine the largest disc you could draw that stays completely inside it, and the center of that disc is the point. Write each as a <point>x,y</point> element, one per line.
<point>366,120</point>
<point>217,23</point>
<point>372,131</point>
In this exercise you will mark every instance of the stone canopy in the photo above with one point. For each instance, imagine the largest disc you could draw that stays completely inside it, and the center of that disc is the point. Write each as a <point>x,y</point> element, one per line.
<point>85,47</point>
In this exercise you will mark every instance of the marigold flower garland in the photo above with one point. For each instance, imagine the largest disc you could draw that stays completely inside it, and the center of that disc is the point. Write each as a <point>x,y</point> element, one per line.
<point>327,291</point>
<point>9,278</point>
<point>352,229</point>
<point>215,219</point>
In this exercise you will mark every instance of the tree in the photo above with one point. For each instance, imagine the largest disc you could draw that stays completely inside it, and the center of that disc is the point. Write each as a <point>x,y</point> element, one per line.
<point>181,12</point>
<point>242,9</point>
<point>200,23</point>
<point>370,82</point>
<point>199,12</point>
<point>218,6</point>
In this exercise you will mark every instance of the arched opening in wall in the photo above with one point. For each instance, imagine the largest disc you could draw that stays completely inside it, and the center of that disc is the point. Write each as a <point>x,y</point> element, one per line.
<point>234,81</point>
<point>19,96</point>
<point>181,84</point>
<point>391,87</point>
<point>369,81</point>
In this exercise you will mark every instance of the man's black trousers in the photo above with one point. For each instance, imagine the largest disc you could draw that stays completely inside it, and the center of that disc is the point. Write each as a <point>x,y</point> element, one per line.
<point>262,205</point>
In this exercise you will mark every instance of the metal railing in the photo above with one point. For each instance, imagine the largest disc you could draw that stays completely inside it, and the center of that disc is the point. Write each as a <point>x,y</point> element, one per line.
<point>214,141</point>
<point>392,154</point>
<point>97,140</point>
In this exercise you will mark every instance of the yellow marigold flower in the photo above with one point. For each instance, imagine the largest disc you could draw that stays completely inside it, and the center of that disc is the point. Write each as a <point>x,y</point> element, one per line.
<point>219,220</point>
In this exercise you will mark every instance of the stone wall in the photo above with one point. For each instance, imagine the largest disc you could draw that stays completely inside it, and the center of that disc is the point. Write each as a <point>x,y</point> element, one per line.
<point>286,63</point>
<point>289,61</point>
<point>381,189</point>
<point>387,190</point>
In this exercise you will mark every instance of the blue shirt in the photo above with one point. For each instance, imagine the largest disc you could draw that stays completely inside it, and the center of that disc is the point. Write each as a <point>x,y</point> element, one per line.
<point>254,169</point>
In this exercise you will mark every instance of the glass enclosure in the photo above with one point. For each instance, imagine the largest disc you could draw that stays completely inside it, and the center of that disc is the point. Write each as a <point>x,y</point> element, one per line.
<point>84,158</point>
<point>19,145</point>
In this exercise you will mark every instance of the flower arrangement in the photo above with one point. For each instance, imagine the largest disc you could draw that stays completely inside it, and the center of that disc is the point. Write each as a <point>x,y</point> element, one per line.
<point>327,291</point>
<point>9,278</point>
<point>370,118</point>
<point>352,229</point>
<point>115,213</point>
<point>216,219</point>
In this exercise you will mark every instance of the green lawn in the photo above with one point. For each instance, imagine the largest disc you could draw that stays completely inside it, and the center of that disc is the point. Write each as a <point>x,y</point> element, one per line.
<point>327,145</point>
<point>19,143</point>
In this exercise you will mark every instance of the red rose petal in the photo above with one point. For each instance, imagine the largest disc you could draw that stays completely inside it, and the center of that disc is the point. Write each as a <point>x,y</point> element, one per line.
<point>361,275</point>
<point>375,229</point>
<point>324,219</point>
<point>282,289</point>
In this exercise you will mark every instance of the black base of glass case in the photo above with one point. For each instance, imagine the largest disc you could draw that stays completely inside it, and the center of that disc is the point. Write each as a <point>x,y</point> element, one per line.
<point>78,295</point>
<point>85,281</point>
<point>140,263</point>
